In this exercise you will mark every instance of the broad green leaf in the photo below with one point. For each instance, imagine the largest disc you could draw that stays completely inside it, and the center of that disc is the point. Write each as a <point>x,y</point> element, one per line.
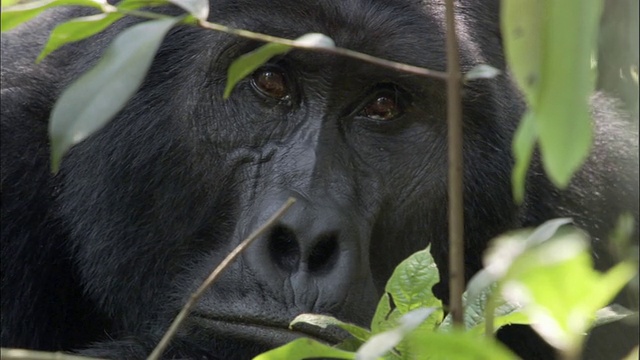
<point>524,143</point>
<point>620,243</point>
<point>633,355</point>
<point>198,8</point>
<point>99,94</point>
<point>247,63</point>
<point>304,348</point>
<point>482,71</point>
<point>612,313</point>
<point>350,344</point>
<point>455,345</point>
<point>128,5</point>
<point>522,24</point>
<point>505,249</point>
<point>382,343</point>
<point>563,117</point>
<point>505,312</point>
<point>409,288</point>
<point>18,14</point>
<point>564,266</point>
<point>324,320</point>
<point>546,231</point>
<point>76,30</point>
<point>5,3</point>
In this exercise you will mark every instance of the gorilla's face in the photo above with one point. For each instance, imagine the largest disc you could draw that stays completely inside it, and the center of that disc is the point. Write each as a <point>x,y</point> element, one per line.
<point>362,148</point>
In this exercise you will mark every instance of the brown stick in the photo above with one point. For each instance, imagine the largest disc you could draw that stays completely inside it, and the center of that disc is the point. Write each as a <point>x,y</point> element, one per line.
<point>456,203</point>
<point>164,342</point>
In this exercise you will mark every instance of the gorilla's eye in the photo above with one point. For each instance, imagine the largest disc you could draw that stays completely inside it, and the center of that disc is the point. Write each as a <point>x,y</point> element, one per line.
<point>383,107</point>
<point>272,83</point>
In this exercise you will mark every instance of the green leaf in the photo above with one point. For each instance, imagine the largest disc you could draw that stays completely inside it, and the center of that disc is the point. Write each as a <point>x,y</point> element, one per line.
<point>5,3</point>
<point>524,143</point>
<point>620,243</point>
<point>456,345</point>
<point>382,343</point>
<point>548,45</point>
<point>505,249</point>
<point>249,62</point>
<point>324,320</point>
<point>563,112</point>
<point>522,24</point>
<point>18,14</point>
<point>304,348</point>
<point>505,312</point>
<point>198,8</point>
<point>76,30</point>
<point>612,313</point>
<point>128,5</point>
<point>409,288</point>
<point>98,95</point>
<point>564,266</point>
<point>633,355</point>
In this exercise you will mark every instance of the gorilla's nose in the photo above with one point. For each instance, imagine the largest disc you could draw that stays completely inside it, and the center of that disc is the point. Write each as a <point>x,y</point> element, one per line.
<point>316,249</point>
<point>295,246</point>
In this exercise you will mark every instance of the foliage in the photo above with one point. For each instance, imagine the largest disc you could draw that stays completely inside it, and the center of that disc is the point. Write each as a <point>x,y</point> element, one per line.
<point>548,47</point>
<point>524,273</point>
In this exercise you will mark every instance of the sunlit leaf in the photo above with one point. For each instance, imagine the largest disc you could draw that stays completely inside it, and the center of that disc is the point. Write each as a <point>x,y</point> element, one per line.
<point>324,320</point>
<point>456,345</point>
<point>198,8</point>
<point>98,95</point>
<point>522,24</point>
<point>247,63</point>
<point>18,14</point>
<point>76,30</point>
<point>5,3</point>
<point>304,348</point>
<point>409,288</point>
<point>505,312</point>
<point>381,343</point>
<point>612,313</point>
<point>564,266</point>
<point>524,143</point>
<point>482,71</point>
<point>128,5</point>
<point>563,117</point>
<point>548,45</point>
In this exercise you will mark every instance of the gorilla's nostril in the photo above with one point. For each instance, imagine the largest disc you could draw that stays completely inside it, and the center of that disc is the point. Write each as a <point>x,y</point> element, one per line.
<point>324,253</point>
<point>283,248</point>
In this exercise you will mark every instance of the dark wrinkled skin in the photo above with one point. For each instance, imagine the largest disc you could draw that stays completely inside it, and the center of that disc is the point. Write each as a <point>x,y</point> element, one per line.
<point>99,258</point>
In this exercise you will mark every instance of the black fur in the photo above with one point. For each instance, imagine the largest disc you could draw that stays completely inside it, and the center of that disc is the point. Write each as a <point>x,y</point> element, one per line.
<point>100,257</point>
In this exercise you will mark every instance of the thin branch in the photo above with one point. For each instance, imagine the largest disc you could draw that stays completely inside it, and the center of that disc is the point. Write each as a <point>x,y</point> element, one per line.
<point>164,342</point>
<point>456,203</point>
<point>417,70</point>
<point>330,50</point>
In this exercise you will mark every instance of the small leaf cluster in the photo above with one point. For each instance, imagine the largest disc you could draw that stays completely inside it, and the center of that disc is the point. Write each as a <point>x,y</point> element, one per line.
<point>542,277</point>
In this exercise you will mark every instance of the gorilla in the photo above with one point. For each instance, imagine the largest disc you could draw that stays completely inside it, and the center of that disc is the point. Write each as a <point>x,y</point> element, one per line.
<point>99,258</point>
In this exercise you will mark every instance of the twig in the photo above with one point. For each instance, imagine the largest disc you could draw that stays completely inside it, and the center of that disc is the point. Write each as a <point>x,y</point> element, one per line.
<point>331,50</point>
<point>164,342</point>
<point>456,204</point>
<point>278,40</point>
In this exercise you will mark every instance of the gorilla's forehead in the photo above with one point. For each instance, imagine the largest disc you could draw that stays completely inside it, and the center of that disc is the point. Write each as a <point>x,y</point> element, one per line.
<point>404,30</point>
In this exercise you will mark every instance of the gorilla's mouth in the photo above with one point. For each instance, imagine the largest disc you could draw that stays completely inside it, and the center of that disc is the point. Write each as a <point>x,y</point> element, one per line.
<point>271,333</point>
